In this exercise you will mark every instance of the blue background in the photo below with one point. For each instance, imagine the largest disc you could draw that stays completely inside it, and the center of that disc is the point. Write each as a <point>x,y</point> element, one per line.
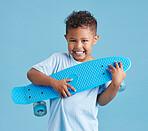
<point>32,30</point>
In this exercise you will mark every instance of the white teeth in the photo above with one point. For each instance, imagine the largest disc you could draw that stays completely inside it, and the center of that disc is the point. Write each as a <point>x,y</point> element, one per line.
<point>79,52</point>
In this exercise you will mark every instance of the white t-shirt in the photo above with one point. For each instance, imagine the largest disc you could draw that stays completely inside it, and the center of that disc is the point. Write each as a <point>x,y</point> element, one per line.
<point>77,112</point>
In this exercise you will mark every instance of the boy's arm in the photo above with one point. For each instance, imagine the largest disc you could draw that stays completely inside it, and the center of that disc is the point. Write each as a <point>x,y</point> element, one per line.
<point>117,77</point>
<point>106,96</point>
<point>38,78</point>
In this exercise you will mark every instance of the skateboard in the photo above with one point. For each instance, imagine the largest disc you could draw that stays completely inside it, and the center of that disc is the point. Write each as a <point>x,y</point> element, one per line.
<point>85,76</point>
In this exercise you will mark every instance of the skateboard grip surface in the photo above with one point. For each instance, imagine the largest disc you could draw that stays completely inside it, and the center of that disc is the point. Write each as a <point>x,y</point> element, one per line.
<point>85,76</point>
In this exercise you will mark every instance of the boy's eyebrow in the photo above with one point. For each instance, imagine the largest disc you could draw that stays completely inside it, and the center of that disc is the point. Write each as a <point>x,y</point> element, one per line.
<point>85,38</point>
<point>71,38</point>
<point>81,38</point>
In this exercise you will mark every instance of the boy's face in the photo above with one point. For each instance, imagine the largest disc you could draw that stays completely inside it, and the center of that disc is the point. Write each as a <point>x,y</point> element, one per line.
<point>80,42</point>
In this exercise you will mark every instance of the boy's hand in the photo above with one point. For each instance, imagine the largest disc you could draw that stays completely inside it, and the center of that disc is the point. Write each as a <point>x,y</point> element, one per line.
<point>118,74</point>
<point>61,87</point>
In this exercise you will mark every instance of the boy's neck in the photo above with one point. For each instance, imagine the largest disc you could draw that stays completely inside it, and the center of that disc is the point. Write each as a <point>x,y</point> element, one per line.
<point>90,59</point>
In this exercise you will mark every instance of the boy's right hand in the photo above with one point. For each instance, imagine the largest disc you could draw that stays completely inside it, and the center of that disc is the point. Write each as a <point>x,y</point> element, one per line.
<point>61,87</point>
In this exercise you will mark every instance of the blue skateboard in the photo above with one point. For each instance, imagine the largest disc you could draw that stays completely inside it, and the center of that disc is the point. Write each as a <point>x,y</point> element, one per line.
<point>85,76</point>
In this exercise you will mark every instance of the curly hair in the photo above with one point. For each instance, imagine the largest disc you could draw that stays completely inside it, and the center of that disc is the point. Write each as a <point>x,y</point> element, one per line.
<point>81,19</point>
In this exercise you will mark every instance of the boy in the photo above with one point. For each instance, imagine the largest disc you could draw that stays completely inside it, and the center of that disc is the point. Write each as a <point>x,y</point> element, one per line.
<point>78,111</point>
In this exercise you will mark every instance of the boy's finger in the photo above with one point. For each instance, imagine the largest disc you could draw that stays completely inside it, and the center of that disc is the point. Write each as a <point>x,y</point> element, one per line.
<point>65,95</point>
<point>117,66</point>
<point>67,80</point>
<point>61,95</point>
<point>112,67</point>
<point>71,87</point>
<point>109,70</point>
<point>67,92</point>
<point>121,66</point>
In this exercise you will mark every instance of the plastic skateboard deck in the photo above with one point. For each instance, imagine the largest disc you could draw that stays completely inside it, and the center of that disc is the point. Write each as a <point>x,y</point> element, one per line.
<point>85,76</point>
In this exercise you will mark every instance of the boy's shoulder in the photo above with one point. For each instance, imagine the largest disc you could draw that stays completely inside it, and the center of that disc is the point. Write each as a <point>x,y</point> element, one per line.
<point>61,55</point>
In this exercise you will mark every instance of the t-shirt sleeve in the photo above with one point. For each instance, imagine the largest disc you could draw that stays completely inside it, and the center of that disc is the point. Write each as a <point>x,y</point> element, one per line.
<point>47,66</point>
<point>103,87</point>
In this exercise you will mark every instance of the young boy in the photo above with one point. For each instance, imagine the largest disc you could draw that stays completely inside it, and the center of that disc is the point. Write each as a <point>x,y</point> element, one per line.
<point>78,111</point>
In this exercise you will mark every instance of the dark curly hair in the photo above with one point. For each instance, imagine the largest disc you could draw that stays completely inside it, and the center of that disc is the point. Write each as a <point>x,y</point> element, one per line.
<point>81,19</point>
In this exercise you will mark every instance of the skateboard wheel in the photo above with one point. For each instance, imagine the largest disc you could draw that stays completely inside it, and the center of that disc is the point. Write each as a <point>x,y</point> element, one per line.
<point>39,108</point>
<point>122,87</point>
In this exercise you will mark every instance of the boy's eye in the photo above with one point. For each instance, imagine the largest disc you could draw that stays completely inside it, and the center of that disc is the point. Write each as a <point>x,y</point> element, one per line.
<point>84,40</point>
<point>72,40</point>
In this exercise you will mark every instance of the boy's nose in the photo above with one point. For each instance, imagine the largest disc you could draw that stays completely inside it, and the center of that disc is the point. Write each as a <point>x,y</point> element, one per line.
<point>78,45</point>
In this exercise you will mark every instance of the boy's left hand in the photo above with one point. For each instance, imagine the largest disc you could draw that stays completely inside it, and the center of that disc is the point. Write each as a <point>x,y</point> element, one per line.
<point>118,74</point>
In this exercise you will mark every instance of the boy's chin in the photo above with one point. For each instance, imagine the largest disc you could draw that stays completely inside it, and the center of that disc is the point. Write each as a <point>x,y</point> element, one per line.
<point>79,59</point>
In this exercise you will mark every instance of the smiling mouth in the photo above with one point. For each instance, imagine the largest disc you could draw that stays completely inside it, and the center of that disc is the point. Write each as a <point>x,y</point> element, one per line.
<point>79,52</point>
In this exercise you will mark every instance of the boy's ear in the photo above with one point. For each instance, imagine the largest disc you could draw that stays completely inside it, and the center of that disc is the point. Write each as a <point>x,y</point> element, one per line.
<point>65,37</point>
<point>95,39</point>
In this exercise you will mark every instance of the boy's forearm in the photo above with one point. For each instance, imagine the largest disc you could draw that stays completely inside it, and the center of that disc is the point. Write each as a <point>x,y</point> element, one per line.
<point>38,78</point>
<point>106,96</point>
